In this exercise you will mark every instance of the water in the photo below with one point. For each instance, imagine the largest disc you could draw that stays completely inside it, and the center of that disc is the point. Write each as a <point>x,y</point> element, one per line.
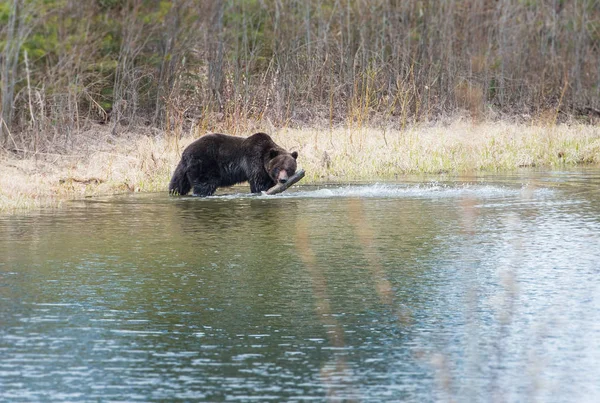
<point>467,289</point>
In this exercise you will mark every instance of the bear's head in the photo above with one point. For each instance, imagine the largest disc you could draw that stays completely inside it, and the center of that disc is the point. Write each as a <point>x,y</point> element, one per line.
<point>281,165</point>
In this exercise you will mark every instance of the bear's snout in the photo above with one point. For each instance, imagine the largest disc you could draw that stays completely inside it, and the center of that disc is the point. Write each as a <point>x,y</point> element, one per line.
<point>282,177</point>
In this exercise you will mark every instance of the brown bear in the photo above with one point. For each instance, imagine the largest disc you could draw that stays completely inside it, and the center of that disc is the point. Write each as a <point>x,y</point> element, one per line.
<point>217,160</point>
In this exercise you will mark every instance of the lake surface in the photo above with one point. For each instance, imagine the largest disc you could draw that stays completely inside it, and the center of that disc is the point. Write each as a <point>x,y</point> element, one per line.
<point>466,289</point>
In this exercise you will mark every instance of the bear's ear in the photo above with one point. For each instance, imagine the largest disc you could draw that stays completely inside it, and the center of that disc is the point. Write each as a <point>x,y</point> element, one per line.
<point>295,155</point>
<point>273,153</point>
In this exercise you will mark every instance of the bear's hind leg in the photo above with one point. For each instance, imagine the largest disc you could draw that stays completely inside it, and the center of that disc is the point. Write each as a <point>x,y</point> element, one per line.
<point>204,189</point>
<point>202,183</point>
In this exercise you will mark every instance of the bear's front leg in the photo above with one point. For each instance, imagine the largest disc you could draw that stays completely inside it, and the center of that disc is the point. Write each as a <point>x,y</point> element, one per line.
<point>260,185</point>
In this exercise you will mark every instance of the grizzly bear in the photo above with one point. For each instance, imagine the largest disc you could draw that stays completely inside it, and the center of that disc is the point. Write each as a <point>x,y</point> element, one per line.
<point>217,160</point>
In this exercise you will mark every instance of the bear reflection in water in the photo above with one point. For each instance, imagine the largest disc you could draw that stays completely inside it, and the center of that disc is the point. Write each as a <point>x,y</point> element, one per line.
<point>220,160</point>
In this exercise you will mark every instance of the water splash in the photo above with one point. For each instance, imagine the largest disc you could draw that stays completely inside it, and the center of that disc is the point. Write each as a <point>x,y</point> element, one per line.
<point>427,190</point>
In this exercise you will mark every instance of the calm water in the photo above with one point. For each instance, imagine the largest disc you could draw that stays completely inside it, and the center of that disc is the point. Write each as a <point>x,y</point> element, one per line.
<point>470,289</point>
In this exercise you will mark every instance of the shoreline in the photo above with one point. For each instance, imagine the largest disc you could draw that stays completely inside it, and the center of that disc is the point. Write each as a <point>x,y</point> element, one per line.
<point>136,162</point>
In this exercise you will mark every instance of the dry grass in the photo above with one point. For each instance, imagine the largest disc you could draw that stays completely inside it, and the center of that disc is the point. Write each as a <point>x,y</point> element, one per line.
<point>104,165</point>
<point>458,147</point>
<point>133,162</point>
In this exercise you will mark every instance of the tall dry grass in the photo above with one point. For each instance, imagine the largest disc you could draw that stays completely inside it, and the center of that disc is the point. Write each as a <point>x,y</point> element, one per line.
<point>132,162</point>
<point>457,147</point>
